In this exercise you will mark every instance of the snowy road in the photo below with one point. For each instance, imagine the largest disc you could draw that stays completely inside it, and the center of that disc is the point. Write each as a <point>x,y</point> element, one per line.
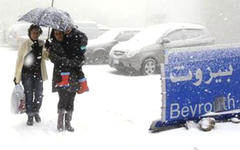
<point>114,115</point>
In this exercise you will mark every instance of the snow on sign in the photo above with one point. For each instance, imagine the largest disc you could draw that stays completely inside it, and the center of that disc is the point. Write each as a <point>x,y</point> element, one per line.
<point>197,82</point>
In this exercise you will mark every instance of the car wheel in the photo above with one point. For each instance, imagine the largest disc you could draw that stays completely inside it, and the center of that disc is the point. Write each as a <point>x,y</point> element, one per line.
<point>100,57</point>
<point>149,66</point>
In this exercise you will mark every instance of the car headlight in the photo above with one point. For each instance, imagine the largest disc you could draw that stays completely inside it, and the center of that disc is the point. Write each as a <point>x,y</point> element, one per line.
<point>131,53</point>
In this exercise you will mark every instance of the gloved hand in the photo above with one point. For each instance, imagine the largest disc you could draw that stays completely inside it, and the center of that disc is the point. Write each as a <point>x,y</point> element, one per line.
<point>45,54</point>
<point>14,80</point>
<point>47,44</point>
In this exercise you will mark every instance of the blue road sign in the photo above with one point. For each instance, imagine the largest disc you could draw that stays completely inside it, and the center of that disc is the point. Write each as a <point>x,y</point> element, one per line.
<point>197,81</point>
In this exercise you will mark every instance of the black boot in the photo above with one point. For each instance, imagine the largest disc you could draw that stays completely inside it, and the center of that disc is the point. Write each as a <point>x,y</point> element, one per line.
<point>37,118</point>
<point>60,120</point>
<point>68,118</point>
<point>30,120</point>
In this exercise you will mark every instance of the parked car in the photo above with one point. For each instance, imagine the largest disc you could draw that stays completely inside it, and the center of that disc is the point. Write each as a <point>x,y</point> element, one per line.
<point>18,33</point>
<point>145,51</point>
<point>98,49</point>
<point>91,28</point>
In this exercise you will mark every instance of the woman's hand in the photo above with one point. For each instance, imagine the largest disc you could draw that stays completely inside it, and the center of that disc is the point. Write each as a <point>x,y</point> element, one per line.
<point>45,54</point>
<point>47,44</point>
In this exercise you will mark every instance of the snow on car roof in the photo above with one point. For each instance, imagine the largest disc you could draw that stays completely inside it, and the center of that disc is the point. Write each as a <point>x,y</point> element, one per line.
<point>112,33</point>
<point>154,32</point>
<point>177,26</point>
<point>125,29</point>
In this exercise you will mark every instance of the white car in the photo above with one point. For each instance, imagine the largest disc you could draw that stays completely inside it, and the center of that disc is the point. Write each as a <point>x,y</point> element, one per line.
<point>18,33</point>
<point>145,51</point>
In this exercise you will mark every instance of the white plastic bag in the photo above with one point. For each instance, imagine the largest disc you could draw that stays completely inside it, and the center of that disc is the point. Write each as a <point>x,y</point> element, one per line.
<point>18,100</point>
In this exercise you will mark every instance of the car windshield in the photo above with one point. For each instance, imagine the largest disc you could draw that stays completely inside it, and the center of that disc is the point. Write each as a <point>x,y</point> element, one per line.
<point>151,34</point>
<point>109,35</point>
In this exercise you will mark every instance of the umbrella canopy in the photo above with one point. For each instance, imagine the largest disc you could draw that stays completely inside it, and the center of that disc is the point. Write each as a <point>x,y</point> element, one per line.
<point>49,17</point>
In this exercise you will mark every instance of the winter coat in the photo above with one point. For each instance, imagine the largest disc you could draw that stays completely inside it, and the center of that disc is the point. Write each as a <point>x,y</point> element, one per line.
<point>24,49</point>
<point>62,59</point>
<point>75,43</point>
<point>68,54</point>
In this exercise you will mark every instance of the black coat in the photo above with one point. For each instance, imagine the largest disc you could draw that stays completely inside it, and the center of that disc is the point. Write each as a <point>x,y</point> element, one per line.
<point>74,42</point>
<point>68,56</point>
<point>72,62</point>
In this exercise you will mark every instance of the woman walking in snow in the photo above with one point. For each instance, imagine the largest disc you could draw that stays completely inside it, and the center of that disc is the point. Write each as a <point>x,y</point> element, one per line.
<point>31,70</point>
<point>66,77</point>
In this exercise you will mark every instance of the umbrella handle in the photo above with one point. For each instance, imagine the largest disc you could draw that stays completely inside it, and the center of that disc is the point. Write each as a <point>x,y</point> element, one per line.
<point>48,34</point>
<point>52,3</point>
<point>49,28</point>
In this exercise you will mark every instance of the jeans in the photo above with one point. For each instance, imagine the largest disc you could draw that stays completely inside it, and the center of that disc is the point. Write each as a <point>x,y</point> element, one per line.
<point>33,89</point>
<point>66,100</point>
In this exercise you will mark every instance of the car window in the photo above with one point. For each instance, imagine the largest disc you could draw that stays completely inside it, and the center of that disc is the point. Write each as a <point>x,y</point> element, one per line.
<point>125,35</point>
<point>176,35</point>
<point>193,33</point>
<point>89,28</point>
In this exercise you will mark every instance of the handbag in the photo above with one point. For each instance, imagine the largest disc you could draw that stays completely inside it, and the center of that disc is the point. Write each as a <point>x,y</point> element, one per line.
<point>18,100</point>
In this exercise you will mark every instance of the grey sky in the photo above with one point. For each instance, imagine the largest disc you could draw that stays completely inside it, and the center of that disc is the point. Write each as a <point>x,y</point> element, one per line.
<point>216,15</point>
<point>110,12</point>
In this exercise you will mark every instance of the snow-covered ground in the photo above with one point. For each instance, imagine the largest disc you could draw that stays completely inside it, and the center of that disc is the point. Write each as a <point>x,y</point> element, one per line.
<point>115,115</point>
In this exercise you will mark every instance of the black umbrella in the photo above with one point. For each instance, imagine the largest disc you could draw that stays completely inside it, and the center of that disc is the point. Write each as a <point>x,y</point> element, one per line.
<point>49,17</point>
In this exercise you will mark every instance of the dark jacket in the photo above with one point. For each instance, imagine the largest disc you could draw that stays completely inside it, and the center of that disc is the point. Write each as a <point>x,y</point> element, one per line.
<point>68,55</point>
<point>61,59</point>
<point>75,43</point>
<point>36,55</point>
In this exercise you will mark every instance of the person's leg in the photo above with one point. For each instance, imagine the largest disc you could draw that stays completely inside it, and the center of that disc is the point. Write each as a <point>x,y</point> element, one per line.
<point>68,119</point>
<point>61,108</point>
<point>60,125</point>
<point>28,90</point>
<point>70,101</point>
<point>38,91</point>
<point>63,98</point>
<point>69,109</point>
